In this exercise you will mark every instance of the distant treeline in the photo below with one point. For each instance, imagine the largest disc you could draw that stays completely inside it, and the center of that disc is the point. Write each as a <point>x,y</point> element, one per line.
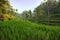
<point>46,13</point>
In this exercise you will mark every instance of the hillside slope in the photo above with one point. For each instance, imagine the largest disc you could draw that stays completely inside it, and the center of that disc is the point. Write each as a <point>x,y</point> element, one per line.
<point>25,30</point>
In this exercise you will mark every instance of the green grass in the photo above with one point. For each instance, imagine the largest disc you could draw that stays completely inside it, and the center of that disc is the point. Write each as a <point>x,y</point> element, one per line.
<point>25,30</point>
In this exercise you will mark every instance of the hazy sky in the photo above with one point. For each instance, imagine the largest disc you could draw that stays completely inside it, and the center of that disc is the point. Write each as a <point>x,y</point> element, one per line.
<point>22,5</point>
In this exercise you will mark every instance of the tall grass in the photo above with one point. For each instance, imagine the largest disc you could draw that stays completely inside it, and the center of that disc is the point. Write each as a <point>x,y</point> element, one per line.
<point>25,30</point>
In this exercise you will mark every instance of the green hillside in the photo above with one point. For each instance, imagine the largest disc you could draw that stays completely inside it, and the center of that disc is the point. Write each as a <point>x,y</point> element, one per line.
<point>25,30</point>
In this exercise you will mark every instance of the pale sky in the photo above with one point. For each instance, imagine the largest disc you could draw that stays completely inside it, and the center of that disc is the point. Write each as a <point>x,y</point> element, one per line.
<point>22,5</point>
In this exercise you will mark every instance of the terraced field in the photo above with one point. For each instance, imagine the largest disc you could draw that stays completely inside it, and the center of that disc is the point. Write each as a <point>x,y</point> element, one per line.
<point>25,30</point>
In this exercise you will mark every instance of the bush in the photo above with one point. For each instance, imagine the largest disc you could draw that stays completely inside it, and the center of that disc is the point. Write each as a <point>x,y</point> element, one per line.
<point>6,17</point>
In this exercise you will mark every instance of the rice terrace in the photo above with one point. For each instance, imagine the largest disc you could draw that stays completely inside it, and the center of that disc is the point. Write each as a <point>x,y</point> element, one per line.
<point>43,23</point>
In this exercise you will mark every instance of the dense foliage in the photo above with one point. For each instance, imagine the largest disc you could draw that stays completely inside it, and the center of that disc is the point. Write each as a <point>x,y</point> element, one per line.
<point>4,6</point>
<point>25,30</point>
<point>47,13</point>
<point>6,10</point>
